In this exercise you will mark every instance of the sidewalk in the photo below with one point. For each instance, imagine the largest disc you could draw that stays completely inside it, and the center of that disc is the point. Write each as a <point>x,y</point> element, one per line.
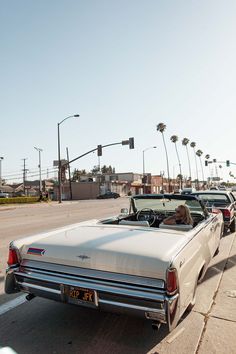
<point>220,329</point>
<point>210,328</point>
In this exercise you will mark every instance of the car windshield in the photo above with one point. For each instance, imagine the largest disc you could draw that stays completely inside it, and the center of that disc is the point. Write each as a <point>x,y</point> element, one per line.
<point>166,204</point>
<point>213,199</point>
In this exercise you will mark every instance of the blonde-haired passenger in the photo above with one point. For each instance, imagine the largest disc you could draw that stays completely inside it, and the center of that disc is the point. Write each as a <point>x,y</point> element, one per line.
<point>182,216</point>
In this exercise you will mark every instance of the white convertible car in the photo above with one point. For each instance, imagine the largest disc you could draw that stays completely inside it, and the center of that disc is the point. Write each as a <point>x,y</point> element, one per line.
<point>129,263</point>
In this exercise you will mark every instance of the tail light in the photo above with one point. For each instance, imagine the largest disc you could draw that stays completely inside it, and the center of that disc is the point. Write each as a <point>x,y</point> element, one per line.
<point>13,258</point>
<point>226,213</point>
<point>171,281</point>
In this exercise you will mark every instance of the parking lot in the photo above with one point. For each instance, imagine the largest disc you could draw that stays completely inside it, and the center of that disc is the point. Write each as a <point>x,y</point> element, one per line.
<point>44,326</point>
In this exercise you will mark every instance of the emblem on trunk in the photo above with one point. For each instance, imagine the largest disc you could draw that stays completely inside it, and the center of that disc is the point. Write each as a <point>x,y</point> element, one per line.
<point>83,257</point>
<point>36,251</point>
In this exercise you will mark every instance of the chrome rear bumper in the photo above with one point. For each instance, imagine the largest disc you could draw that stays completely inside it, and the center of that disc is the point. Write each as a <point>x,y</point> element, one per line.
<point>145,297</point>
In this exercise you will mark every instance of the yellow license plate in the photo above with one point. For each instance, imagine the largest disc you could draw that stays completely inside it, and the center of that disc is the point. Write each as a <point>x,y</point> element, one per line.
<point>80,295</point>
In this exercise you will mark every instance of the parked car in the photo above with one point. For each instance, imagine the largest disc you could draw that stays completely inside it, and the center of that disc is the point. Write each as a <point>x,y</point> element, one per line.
<point>108,195</point>
<point>4,195</point>
<point>189,190</point>
<point>132,262</point>
<point>222,188</point>
<point>233,189</point>
<point>222,200</point>
<point>214,188</point>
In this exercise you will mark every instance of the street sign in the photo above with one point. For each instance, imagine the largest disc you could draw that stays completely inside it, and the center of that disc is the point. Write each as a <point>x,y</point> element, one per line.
<point>56,162</point>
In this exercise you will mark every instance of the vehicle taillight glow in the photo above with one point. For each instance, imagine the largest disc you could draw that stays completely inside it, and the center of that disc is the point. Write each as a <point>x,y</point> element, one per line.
<point>12,257</point>
<point>171,281</point>
<point>226,213</point>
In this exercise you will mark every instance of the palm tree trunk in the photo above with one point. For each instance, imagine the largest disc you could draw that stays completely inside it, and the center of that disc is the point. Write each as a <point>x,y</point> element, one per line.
<point>203,177</point>
<point>167,161</point>
<point>189,165</point>
<point>180,169</point>
<point>196,167</point>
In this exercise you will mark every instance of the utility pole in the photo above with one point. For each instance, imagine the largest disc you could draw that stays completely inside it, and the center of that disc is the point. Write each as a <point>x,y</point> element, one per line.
<point>67,153</point>
<point>24,173</point>
<point>39,166</point>
<point>1,158</point>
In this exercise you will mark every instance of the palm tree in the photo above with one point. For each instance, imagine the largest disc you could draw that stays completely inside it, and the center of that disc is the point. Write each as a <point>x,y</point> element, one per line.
<point>199,154</point>
<point>207,156</point>
<point>185,142</point>
<point>193,145</point>
<point>174,139</point>
<point>161,127</point>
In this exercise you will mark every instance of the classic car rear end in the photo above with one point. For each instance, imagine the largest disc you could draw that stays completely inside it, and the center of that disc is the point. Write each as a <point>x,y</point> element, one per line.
<point>223,201</point>
<point>112,266</point>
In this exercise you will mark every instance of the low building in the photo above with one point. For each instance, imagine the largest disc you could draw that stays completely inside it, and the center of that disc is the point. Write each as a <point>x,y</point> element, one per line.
<point>124,183</point>
<point>78,191</point>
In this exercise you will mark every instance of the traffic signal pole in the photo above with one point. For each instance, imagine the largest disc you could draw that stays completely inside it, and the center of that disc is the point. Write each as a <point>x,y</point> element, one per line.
<point>129,142</point>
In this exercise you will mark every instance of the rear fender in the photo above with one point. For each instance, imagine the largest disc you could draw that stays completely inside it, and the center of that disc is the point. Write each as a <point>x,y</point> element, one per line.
<point>11,286</point>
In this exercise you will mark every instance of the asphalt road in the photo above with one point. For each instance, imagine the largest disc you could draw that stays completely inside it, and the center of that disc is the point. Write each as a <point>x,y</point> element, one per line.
<point>43,326</point>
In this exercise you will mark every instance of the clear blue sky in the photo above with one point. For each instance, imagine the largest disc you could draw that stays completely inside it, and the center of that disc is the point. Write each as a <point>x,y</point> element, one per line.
<point>124,66</point>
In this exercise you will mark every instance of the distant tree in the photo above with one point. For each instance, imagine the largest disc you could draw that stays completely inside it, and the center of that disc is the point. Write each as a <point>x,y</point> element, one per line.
<point>77,173</point>
<point>95,170</point>
<point>108,169</point>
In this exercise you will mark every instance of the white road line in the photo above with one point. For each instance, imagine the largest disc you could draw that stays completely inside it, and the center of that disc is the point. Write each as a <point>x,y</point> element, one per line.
<point>12,304</point>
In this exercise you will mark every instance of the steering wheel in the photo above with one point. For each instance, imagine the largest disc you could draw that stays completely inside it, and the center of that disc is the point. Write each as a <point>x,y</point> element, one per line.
<point>143,216</point>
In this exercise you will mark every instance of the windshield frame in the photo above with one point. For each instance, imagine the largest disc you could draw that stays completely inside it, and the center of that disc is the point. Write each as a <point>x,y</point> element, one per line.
<point>167,196</point>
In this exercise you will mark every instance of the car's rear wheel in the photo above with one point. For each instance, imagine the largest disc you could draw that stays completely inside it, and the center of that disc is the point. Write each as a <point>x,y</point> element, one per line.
<point>232,226</point>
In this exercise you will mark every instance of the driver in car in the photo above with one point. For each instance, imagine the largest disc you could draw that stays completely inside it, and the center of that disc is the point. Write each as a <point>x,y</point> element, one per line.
<point>182,216</point>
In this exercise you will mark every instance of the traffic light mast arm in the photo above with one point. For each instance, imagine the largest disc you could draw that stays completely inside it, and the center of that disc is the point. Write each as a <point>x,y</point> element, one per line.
<point>124,142</point>
<point>231,163</point>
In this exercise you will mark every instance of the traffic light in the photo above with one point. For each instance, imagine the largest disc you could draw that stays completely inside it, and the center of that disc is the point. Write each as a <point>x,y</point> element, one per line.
<point>227,163</point>
<point>144,179</point>
<point>214,160</point>
<point>131,143</point>
<point>99,150</point>
<point>206,163</point>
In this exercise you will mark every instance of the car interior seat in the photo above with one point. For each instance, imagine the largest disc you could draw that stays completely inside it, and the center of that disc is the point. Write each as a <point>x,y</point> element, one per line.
<point>134,223</point>
<point>178,227</point>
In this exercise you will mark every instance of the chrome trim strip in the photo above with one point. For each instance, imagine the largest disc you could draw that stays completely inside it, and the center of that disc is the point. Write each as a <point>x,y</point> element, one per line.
<point>140,287</point>
<point>134,307</point>
<point>95,286</point>
<point>93,273</point>
<point>39,287</point>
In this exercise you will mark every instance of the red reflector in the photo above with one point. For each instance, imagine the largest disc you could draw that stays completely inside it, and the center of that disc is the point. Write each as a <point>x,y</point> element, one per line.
<point>171,281</point>
<point>12,257</point>
<point>226,213</point>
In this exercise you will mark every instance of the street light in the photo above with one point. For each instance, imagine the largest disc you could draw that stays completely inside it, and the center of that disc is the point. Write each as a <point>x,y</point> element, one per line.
<point>1,158</point>
<point>149,148</point>
<point>39,166</point>
<point>59,154</point>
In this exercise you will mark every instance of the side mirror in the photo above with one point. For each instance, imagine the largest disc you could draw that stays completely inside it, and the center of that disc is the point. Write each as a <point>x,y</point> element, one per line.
<point>124,211</point>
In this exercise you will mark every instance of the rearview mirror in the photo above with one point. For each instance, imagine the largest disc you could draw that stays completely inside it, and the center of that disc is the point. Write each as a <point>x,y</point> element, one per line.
<point>124,211</point>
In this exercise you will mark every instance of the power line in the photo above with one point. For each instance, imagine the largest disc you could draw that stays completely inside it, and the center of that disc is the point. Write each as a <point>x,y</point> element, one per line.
<point>30,176</point>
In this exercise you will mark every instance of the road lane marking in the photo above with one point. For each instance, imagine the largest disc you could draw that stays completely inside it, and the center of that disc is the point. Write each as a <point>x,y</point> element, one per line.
<point>12,304</point>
